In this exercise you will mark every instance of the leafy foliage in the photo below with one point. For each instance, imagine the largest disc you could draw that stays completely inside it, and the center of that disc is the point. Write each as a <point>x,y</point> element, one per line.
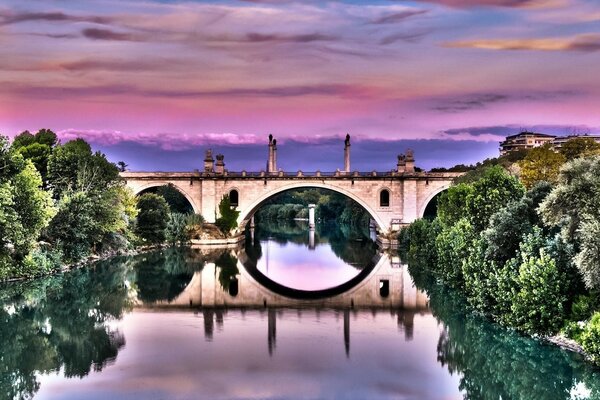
<point>228,216</point>
<point>541,164</point>
<point>590,339</point>
<point>177,229</point>
<point>580,147</point>
<point>152,219</point>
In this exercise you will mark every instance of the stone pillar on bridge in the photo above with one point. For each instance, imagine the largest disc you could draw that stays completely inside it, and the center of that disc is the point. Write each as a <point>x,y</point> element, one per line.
<point>401,165</point>
<point>220,167</point>
<point>347,154</point>
<point>410,161</point>
<point>275,156</point>
<point>209,161</point>
<point>311,215</point>
<point>272,162</point>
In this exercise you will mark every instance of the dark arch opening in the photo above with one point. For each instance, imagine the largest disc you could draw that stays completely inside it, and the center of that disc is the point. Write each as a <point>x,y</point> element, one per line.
<point>384,198</point>
<point>430,211</point>
<point>234,198</point>
<point>177,202</point>
<point>331,206</point>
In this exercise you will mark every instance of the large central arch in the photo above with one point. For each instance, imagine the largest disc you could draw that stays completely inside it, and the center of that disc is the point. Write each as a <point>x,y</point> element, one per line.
<point>247,213</point>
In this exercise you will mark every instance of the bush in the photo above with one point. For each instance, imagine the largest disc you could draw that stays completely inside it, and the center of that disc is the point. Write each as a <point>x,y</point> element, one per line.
<point>177,229</point>
<point>417,241</point>
<point>538,305</point>
<point>590,339</point>
<point>40,262</point>
<point>452,248</point>
<point>152,218</point>
<point>228,219</point>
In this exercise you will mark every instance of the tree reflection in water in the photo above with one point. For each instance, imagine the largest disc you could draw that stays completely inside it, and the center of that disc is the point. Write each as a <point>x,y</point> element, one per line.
<point>495,363</point>
<point>62,322</point>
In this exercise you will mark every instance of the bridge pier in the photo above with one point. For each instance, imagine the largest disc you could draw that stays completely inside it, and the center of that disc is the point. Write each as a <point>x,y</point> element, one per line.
<point>311,215</point>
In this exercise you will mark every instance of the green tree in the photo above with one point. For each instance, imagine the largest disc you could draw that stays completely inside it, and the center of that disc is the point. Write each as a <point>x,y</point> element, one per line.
<point>452,204</point>
<point>510,224</point>
<point>541,164</point>
<point>24,209</point>
<point>452,247</point>
<point>36,148</point>
<point>580,147</point>
<point>588,258</point>
<point>33,206</point>
<point>86,219</point>
<point>574,198</point>
<point>590,339</point>
<point>153,217</point>
<point>493,191</point>
<point>538,306</point>
<point>574,206</point>
<point>177,202</point>
<point>177,229</point>
<point>73,166</point>
<point>228,216</point>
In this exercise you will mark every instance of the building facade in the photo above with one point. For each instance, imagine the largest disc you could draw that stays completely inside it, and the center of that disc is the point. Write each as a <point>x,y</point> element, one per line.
<point>524,141</point>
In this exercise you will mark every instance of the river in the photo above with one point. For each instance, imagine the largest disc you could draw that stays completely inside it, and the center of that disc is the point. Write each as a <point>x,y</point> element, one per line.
<point>290,314</point>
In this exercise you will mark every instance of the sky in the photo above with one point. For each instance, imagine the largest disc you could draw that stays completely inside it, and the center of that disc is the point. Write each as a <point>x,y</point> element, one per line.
<point>155,83</point>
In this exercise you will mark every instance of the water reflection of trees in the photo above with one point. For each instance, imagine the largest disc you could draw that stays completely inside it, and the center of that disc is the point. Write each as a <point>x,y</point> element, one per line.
<point>167,282</point>
<point>62,323</point>
<point>496,363</point>
<point>58,323</point>
<point>349,243</point>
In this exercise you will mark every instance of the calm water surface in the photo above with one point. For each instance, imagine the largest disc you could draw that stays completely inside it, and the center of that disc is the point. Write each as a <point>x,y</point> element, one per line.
<point>125,329</point>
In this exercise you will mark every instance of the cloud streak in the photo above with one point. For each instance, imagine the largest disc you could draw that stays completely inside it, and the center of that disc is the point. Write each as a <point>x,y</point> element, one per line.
<point>483,100</point>
<point>337,90</point>
<point>9,17</point>
<point>580,43</point>
<point>498,3</point>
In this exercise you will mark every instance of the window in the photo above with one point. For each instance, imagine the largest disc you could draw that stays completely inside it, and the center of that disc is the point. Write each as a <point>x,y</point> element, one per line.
<point>233,287</point>
<point>384,198</point>
<point>384,288</point>
<point>234,198</point>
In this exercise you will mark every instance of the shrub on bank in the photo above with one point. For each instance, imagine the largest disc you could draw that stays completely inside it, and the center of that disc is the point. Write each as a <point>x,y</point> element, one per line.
<point>490,244</point>
<point>590,338</point>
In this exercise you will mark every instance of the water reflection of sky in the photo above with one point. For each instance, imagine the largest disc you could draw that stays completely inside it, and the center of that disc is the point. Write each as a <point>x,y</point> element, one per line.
<point>293,266</point>
<point>308,361</point>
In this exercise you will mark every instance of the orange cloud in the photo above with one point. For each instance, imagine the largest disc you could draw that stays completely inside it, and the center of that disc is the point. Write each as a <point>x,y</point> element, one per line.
<point>583,43</point>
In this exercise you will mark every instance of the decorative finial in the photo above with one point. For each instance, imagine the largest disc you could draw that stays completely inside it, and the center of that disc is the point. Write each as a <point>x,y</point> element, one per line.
<point>270,138</point>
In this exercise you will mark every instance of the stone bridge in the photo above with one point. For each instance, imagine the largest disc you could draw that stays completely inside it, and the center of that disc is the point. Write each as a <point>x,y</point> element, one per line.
<point>392,198</point>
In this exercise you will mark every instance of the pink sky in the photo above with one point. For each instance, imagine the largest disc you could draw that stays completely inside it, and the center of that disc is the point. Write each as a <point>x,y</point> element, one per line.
<point>174,74</point>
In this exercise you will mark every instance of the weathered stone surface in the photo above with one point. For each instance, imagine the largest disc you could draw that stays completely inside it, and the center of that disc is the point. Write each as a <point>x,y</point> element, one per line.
<point>409,192</point>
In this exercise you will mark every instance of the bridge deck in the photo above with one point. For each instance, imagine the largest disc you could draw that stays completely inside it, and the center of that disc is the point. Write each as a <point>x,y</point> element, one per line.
<point>289,175</point>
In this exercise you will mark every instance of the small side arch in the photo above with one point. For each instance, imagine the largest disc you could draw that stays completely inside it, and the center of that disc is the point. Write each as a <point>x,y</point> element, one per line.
<point>151,185</point>
<point>248,211</point>
<point>430,197</point>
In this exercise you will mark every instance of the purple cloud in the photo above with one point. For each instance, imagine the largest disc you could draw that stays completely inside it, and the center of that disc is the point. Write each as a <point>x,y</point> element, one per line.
<point>9,17</point>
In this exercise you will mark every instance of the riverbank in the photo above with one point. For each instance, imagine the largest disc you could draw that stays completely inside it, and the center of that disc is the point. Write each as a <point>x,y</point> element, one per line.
<point>211,238</point>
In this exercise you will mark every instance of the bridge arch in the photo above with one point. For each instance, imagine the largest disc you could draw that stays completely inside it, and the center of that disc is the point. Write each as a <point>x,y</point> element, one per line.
<point>431,196</point>
<point>150,185</point>
<point>249,211</point>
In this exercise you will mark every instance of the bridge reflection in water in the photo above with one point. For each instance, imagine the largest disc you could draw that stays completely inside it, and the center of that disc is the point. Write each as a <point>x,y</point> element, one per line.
<point>385,287</point>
